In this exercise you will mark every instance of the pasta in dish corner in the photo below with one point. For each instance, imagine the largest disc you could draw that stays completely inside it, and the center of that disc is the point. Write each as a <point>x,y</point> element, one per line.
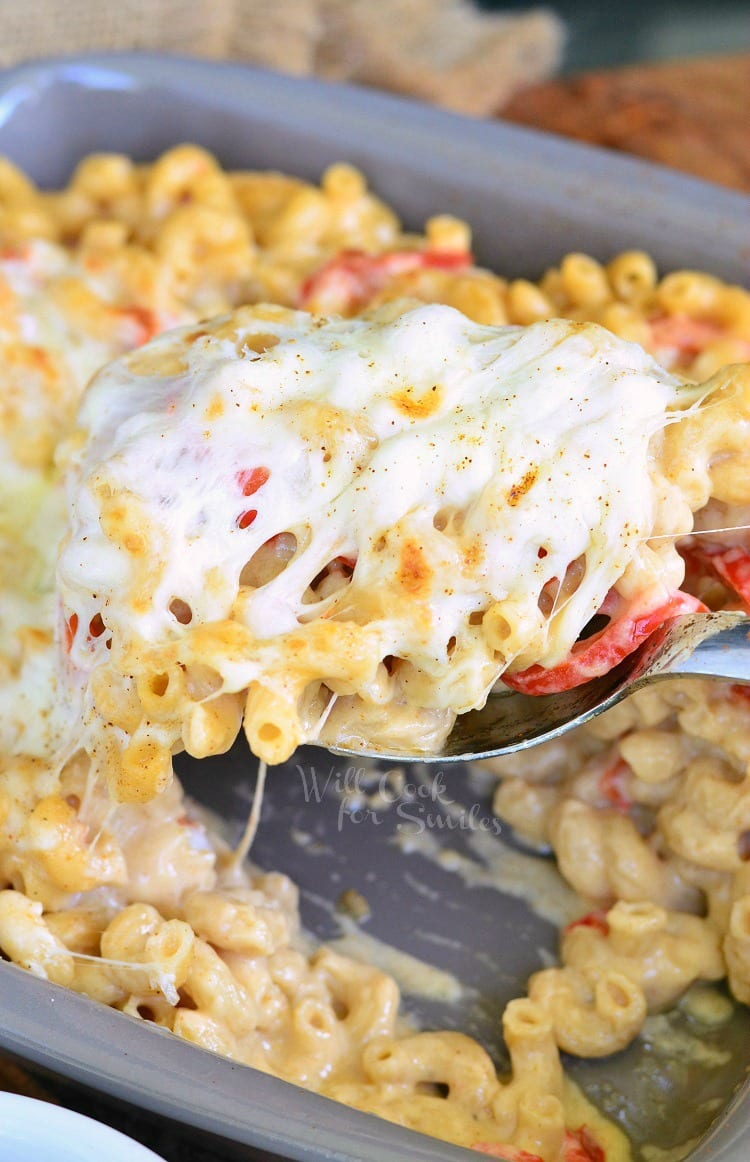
<point>136,902</point>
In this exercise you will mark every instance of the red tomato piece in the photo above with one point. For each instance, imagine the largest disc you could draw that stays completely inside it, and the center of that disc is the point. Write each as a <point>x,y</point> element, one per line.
<point>612,783</point>
<point>245,519</point>
<point>596,919</point>
<point>581,1146</point>
<point>17,253</point>
<point>732,566</point>
<point>601,652</point>
<point>69,632</point>
<point>251,479</point>
<point>348,281</point>
<point>145,323</point>
<point>687,335</point>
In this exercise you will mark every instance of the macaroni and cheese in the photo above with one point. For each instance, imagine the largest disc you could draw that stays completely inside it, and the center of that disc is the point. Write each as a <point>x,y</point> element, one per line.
<point>285,516</point>
<point>198,543</point>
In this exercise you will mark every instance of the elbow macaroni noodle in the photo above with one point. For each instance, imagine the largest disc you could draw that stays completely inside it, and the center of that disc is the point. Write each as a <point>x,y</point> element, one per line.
<point>110,883</point>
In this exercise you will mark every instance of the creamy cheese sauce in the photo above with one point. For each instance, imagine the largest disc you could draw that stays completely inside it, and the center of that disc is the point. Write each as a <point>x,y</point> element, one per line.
<point>526,877</point>
<point>414,976</point>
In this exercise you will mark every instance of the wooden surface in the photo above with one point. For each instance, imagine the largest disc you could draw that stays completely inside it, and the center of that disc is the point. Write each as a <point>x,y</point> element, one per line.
<point>693,115</point>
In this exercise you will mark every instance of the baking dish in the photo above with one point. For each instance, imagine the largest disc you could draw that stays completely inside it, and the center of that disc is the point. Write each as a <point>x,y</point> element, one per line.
<point>530,198</point>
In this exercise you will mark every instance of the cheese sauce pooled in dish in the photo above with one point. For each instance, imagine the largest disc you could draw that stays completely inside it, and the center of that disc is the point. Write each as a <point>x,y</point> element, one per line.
<point>354,526</point>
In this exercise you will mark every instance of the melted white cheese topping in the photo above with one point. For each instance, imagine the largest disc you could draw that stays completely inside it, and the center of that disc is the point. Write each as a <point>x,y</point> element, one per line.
<point>460,465</point>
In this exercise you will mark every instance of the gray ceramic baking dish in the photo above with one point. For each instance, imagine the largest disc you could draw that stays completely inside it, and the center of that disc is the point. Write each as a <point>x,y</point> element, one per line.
<point>530,198</point>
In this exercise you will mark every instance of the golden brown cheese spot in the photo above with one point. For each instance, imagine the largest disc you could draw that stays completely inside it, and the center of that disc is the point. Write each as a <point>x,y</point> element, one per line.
<point>265,312</point>
<point>113,518</point>
<point>141,601</point>
<point>333,433</point>
<point>225,329</point>
<point>417,407</point>
<point>260,343</point>
<point>163,362</point>
<point>215,407</point>
<point>414,574</point>
<point>40,359</point>
<point>473,555</point>
<point>135,544</point>
<point>517,491</point>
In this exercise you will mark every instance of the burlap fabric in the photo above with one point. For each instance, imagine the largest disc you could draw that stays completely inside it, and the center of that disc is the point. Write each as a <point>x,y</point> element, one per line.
<point>445,51</point>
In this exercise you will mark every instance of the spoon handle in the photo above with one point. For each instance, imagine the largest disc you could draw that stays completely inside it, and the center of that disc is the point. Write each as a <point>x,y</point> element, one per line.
<point>699,645</point>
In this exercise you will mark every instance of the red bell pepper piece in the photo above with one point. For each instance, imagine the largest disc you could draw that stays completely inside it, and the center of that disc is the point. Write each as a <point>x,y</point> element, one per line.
<point>601,652</point>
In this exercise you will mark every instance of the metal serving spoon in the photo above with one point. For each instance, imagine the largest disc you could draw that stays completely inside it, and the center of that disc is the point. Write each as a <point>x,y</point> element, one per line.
<point>695,645</point>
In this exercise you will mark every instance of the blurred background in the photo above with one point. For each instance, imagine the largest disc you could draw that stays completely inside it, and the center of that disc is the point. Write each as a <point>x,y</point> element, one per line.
<point>666,80</point>
<point>602,35</point>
